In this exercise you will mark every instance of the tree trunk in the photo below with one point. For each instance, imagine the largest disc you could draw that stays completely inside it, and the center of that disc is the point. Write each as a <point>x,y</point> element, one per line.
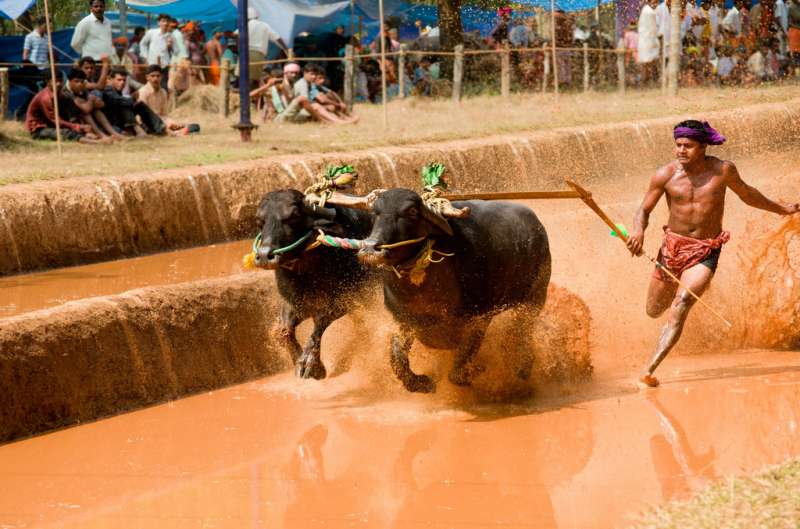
<point>451,33</point>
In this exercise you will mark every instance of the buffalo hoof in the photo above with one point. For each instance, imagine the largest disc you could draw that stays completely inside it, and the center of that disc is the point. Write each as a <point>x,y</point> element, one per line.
<point>310,366</point>
<point>465,375</point>
<point>419,384</point>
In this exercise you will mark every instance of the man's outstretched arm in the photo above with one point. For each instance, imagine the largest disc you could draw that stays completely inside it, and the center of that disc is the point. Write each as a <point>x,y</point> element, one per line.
<point>752,196</point>
<point>654,191</point>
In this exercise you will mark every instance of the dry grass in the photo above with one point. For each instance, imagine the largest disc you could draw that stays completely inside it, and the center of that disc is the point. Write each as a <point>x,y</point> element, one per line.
<point>769,499</point>
<point>410,121</point>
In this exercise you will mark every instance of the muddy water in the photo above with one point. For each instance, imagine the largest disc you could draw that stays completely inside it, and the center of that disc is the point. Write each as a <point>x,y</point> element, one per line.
<point>352,453</point>
<point>25,293</point>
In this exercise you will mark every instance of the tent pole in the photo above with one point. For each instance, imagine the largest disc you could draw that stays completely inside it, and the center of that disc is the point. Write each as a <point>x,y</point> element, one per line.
<point>352,19</point>
<point>122,7</point>
<point>382,36</point>
<point>553,36</point>
<point>53,74</point>
<point>245,126</point>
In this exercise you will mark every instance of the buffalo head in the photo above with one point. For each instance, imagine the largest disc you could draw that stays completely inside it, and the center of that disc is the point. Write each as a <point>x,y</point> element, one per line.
<point>285,219</point>
<point>400,215</point>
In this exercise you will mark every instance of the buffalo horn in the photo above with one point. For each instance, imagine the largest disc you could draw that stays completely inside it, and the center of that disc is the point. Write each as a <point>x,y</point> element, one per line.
<point>319,211</point>
<point>436,220</point>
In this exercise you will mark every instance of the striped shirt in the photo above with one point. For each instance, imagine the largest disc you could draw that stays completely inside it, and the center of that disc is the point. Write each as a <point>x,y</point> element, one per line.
<point>36,46</point>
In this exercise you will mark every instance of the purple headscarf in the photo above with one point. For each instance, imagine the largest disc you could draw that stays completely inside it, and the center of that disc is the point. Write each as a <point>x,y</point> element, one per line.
<point>709,135</point>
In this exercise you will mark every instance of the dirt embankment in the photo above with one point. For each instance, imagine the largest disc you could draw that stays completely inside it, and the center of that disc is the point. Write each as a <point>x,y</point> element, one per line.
<point>87,220</point>
<point>93,358</point>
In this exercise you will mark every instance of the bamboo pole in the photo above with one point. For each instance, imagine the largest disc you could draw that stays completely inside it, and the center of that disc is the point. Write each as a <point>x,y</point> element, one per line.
<point>4,88</point>
<point>225,84</point>
<point>585,67</point>
<point>53,74</point>
<point>505,72</point>
<point>553,42</point>
<point>545,67</point>
<point>517,195</point>
<point>349,76</point>
<point>586,196</point>
<point>382,36</point>
<point>458,72</point>
<point>401,72</point>
<point>673,65</point>
<point>621,66</point>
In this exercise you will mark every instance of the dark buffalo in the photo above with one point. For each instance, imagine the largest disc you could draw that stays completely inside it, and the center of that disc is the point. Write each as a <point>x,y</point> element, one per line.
<point>321,283</point>
<point>500,260</point>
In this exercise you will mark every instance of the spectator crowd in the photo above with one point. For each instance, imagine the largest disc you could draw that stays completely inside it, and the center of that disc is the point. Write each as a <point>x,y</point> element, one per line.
<point>123,88</point>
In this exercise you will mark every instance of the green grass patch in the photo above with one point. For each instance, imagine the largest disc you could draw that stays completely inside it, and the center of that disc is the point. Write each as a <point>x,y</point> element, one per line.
<point>769,499</point>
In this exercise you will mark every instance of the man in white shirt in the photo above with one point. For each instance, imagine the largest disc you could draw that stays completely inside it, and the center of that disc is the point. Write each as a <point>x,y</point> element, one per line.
<point>259,34</point>
<point>648,51</point>
<point>664,24</point>
<point>92,37</point>
<point>158,44</point>
<point>733,21</point>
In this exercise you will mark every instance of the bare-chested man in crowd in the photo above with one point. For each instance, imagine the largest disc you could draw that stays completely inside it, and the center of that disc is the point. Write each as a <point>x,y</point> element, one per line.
<point>695,185</point>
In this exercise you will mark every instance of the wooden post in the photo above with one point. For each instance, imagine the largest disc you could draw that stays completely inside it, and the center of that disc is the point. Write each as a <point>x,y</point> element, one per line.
<point>349,76</point>
<point>382,36</point>
<point>458,72</point>
<point>4,87</point>
<point>401,72</point>
<point>505,71</point>
<point>53,74</point>
<point>621,66</point>
<point>663,69</point>
<point>585,66</point>
<point>225,84</point>
<point>546,67</point>
<point>172,95</point>
<point>553,42</point>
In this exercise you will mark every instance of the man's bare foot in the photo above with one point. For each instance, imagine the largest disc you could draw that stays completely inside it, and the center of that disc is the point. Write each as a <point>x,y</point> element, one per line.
<point>649,381</point>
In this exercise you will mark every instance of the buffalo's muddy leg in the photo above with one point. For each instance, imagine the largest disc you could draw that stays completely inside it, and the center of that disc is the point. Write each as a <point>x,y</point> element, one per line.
<point>285,333</point>
<point>463,370</point>
<point>401,345</point>
<point>310,364</point>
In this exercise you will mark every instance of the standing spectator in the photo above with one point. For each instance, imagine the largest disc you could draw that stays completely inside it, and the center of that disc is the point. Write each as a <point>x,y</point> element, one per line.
<point>158,46</point>
<point>500,31</point>
<point>135,47</point>
<point>630,40</point>
<point>35,47</point>
<point>331,46</point>
<point>40,121</point>
<point>520,34</point>
<point>794,36</point>
<point>260,34</point>
<point>180,51</point>
<point>647,45</point>
<point>92,36</point>
<point>733,20</point>
<point>564,32</point>
<point>214,55</point>
<point>664,24</point>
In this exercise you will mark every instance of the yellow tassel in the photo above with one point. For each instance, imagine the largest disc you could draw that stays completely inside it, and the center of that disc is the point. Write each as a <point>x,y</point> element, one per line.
<point>249,261</point>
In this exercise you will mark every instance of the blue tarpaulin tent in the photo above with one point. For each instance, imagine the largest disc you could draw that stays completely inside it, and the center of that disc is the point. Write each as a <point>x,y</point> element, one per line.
<point>14,8</point>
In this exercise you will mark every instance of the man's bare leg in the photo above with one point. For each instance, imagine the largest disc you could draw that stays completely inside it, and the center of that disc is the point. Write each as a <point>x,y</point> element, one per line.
<point>697,278</point>
<point>103,122</point>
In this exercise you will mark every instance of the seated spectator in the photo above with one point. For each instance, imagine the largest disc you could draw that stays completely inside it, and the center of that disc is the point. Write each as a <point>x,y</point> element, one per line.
<point>301,108</point>
<point>270,97</point>
<point>122,110</point>
<point>79,106</point>
<point>40,120</point>
<point>422,77</point>
<point>330,100</point>
<point>96,81</point>
<point>757,65</point>
<point>725,65</point>
<point>156,97</point>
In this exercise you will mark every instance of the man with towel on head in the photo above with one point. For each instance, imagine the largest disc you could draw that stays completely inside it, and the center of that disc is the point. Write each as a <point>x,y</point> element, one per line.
<point>695,185</point>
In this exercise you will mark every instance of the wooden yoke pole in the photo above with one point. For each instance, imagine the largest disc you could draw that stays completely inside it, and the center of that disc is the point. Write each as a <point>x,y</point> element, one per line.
<point>586,196</point>
<point>520,195</point>
<point>53,74</point>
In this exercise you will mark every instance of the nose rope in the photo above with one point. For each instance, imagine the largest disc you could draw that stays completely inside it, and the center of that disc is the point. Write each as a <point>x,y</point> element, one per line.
<point>358,244</point>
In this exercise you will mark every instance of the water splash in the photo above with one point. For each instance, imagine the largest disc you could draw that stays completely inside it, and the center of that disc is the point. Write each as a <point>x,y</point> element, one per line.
<point>217,205</point>
<point>518,157</point>
<point>288,169</point>
<point>199,204</point>
<point>13,241</point>
<point>591,149</point>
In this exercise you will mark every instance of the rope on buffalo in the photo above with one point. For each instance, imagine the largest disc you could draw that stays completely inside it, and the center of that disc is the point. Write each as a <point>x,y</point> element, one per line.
<point>249,260</point>
<point>434,186</point>
<point>416,270</point>
<point>335,178</point>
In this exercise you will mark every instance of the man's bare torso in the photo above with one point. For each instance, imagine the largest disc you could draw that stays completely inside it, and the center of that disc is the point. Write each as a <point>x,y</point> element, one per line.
<point>696,201</point>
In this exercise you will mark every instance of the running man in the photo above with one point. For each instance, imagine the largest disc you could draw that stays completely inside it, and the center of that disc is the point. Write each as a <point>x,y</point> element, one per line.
<point>695,185</point>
